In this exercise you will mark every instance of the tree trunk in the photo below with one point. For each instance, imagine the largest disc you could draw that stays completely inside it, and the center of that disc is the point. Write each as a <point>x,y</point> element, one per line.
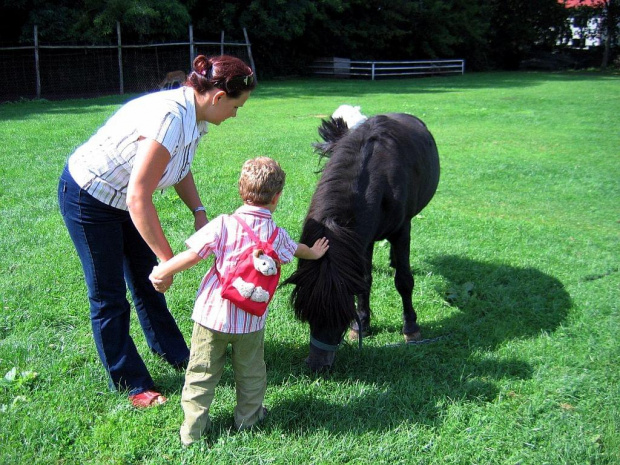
<point>611,23</point>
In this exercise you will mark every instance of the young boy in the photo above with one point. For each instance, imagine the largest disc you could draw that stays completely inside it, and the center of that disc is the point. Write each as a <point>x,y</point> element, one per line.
<point>218,322</point>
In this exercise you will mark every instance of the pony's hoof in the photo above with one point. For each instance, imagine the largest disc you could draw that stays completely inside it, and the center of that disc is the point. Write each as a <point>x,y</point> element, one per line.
<point>413,337</point>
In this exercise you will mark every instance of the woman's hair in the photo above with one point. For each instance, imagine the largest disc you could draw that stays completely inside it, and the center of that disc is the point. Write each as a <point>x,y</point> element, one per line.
<point>261,179</point>
<point>224,72</point>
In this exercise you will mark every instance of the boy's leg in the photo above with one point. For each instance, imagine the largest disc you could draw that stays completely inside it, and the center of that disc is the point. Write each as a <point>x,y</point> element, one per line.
<point>160,329</point>
<point>206,363</point>
<point>250,378</point>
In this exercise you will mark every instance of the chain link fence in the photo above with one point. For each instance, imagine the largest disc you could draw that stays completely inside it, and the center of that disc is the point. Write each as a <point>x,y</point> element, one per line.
<point>61,72</point>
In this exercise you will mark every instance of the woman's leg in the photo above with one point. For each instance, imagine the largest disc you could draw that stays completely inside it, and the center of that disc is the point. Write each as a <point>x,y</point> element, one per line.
<point>204,371</point>
<point>160,329</point>
<point>96,231</point>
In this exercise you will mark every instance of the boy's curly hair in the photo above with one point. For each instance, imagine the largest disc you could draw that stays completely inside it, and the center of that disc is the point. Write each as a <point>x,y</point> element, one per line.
<point>261,179</point>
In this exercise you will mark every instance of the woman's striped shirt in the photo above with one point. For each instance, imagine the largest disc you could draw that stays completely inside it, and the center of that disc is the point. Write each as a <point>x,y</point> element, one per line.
<point>102,166</point>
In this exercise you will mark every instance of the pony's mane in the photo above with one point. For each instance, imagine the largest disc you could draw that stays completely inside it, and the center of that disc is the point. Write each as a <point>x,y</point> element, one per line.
<point>324,289</point>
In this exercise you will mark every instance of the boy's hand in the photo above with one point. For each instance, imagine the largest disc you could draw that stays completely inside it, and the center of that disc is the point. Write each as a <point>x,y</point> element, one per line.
<point>160,285</point>
<point>320,247</point>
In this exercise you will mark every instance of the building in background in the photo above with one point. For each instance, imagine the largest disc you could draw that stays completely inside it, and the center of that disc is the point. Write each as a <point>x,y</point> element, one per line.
<point>585,18</point>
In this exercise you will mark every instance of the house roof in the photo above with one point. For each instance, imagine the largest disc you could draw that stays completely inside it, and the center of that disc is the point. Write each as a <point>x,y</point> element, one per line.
<point>578,3</point>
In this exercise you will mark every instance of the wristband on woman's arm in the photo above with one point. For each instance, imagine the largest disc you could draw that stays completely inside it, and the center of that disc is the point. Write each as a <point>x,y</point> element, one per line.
<point>199,209</point>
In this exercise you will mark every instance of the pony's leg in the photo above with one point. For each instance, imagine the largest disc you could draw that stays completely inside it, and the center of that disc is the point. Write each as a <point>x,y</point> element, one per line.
<point>404,281</point>
<point>363,300</point>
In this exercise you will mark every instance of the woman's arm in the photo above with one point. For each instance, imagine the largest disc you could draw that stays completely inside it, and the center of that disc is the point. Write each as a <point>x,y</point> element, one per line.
<point>312,253</point>
<point>150,163</point>
<point>188,193</point>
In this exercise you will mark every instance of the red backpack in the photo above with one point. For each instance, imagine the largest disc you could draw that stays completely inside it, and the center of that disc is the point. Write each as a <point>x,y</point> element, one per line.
<point>252,280</point>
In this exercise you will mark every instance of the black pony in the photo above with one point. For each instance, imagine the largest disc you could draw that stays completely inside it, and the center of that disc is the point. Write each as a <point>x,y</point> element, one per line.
<point>379,175</point>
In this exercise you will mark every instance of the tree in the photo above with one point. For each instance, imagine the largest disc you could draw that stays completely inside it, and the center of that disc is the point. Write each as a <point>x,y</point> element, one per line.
<point>287,35</point>
<point>399,29</point>
<point>610,28</point>
<point>521,26</point>
<point>94,21</point>
<point>141,20</point>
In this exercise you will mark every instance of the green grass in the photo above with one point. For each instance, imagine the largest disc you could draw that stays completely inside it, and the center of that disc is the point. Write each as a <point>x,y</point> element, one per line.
<point>516,264</point>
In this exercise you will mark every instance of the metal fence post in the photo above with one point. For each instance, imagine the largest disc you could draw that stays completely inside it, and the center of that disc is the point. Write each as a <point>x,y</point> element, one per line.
<point>222,43</point>
<point>249,46</point>
<point>192,52</point>
<point>120,58</point>
<point>373,71</point>
<point>36,61</point>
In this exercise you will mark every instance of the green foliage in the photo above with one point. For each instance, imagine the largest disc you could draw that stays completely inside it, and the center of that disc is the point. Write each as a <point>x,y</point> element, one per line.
<point>287,35</point>
<point>94,21</point>
<point>516,267</point>
<point>145,20</point>
<point>520,26</point>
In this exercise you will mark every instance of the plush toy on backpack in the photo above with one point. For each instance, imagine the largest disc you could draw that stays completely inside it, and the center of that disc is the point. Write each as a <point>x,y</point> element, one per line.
<point>267,266</point>
<point>251,282</point>
<point>264,263</point>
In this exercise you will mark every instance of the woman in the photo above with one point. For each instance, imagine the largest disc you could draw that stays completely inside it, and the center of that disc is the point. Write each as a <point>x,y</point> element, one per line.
<point>105,197</point>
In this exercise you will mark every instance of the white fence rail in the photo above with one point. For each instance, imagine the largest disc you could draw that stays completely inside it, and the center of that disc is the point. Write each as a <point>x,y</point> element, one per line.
<point>345,68</point>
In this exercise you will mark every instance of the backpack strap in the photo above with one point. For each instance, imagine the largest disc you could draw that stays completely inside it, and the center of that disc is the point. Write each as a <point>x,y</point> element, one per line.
<point>248,230</point>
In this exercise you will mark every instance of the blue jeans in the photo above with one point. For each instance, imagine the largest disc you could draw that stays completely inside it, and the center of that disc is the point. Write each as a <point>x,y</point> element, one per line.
<point>113,253</point>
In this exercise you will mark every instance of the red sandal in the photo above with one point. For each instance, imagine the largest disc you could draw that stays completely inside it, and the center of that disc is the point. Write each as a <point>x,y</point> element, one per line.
<point>147,399</point>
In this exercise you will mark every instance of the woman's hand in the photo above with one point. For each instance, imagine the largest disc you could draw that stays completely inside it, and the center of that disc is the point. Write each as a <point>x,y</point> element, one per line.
<point>161,276</point>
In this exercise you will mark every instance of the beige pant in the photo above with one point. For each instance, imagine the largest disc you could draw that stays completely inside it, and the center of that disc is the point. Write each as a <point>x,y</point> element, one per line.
<point>206,363</point>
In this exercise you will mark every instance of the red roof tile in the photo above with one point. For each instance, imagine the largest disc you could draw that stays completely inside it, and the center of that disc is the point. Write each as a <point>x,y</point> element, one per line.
<point>578,3</point>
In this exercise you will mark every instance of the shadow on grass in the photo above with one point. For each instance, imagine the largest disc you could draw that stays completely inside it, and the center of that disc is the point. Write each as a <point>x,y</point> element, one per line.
<point>382,386</point>
<point>316,87</point>
<point>19,111</point>
<point>394,384</point>
<point>319,87</point>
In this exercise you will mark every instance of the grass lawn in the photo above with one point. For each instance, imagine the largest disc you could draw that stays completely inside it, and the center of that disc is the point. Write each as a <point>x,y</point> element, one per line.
<point>516,266</point>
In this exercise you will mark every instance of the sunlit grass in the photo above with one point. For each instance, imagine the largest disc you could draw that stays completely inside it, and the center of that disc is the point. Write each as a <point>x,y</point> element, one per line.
<point>516,265</point>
